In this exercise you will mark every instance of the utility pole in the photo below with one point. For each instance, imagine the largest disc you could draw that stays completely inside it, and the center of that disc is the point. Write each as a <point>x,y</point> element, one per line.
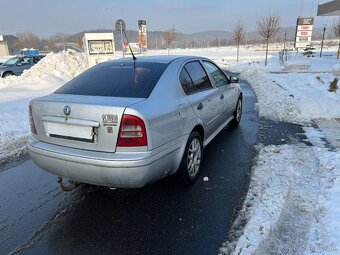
<point>121,36</point>
<point>323,37</point>
<point>284,46</point>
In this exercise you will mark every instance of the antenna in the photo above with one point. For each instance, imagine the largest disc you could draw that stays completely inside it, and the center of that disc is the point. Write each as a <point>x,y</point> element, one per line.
<point>133,55</point>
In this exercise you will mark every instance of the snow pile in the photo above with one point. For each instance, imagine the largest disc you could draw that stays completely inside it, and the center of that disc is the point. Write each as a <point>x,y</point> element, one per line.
<point>293,205</point>
<point>293,97</point>
<point>64,65</point>
<point>336,70</point>
<point>42,79</point>
<point>297,66</point>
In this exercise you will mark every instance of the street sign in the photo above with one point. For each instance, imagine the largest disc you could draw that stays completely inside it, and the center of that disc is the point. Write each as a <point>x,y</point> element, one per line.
<point>304,29</point>
<point>308,28</point>
<point>301,44</point>
<point>305,21</point>
<point>120,25</point>
<point>304,33</point>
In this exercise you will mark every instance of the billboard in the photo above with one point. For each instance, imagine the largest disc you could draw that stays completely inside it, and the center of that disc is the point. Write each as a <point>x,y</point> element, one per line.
<point>142,35</point>
<point>304,29</point>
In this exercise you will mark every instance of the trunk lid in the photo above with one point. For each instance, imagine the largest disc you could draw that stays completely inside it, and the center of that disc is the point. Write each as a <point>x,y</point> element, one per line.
<point>77,121</point>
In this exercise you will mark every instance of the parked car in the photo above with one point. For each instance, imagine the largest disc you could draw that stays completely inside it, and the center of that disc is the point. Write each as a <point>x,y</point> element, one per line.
<point>16,65</point>
<point>126,123</point>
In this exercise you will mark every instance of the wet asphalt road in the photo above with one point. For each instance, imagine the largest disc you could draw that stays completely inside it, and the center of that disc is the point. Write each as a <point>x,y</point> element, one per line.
<point>163,218</point>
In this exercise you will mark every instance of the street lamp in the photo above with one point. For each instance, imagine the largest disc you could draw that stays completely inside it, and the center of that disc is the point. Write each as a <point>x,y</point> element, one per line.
<point>323,37</point>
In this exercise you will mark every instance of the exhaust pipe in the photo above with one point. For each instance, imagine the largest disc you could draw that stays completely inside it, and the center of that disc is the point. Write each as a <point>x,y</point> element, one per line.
<point>68,187</point>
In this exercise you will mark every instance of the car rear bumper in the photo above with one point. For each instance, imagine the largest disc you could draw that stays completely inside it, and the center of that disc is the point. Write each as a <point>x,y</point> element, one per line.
<point>118,170</point>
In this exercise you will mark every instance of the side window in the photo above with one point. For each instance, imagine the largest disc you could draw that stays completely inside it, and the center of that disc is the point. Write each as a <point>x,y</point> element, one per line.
<point>36,60</point>
<point>24,61</point>
<point>216,74</point>
<point>198,76</point>
<point>186,82</point>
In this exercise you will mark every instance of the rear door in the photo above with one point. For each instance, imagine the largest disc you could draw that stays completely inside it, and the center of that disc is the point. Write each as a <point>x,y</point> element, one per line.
<point>203,97</point>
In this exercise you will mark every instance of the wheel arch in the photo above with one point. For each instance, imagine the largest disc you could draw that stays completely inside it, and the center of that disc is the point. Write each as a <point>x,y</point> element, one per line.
<point>6,72</point>
<point>199,129</point>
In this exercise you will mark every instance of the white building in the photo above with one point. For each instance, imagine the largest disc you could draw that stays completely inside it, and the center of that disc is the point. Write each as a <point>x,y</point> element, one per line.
<point>99,47</point>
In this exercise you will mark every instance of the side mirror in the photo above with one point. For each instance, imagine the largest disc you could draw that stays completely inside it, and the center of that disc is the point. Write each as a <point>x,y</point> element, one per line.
<point>19,64</point>
<point>233,79</point>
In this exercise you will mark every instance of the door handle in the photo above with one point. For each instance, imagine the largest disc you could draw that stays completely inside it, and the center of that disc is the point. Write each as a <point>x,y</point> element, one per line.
<point>200,106</point>
<point>222,96</point>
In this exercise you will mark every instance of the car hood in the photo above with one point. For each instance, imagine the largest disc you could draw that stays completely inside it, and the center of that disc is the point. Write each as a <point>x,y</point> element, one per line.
<point>2,67</point>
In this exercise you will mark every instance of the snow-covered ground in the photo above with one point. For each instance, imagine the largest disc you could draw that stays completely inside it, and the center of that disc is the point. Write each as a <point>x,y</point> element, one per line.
<point>293,204</point>
<point>293,201</point>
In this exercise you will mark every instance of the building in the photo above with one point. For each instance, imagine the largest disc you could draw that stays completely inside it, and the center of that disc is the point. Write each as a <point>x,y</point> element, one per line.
<point>7,45</point>
<point>99,47</point>
<point>12,42</point>
<point>331,8</point>
<point>3,47</point>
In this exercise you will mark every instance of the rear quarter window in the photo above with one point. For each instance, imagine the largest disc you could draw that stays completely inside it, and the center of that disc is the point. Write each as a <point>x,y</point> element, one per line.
<point>198,76</point>
<point>116,79</point>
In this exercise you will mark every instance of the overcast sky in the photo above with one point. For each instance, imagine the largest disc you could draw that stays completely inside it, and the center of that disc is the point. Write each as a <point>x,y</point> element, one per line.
<point>45,17</point>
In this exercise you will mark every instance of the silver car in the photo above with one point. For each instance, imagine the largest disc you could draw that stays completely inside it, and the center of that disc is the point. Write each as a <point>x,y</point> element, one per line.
<point>126,124</point>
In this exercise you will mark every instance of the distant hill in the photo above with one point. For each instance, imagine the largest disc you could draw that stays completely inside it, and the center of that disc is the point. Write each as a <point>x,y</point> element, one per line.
<point>200,39</point>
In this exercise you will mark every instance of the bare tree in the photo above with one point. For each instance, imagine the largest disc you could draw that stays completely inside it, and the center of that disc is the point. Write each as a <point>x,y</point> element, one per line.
<point>238,36</point>
<point>169,37</point>
<point>79,42</point>
<point>268,27</point>
<point>28,40</point>
<point>336,30</point>
<point>51,44</point>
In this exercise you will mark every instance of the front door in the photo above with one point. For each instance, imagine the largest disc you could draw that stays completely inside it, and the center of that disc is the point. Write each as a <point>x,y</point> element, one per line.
<point>203,97</point>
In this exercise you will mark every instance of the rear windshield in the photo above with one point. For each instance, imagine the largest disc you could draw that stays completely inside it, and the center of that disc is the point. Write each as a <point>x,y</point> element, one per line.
<point>116,79</point>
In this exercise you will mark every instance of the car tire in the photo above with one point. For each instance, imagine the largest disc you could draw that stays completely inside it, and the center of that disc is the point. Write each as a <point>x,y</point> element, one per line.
<point>192,158</point>
<point>7,74</point>
<point>237,114</point>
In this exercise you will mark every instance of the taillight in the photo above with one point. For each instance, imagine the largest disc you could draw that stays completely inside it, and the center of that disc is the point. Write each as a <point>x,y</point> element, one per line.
<point>132,132</point>
<point>33,129</point>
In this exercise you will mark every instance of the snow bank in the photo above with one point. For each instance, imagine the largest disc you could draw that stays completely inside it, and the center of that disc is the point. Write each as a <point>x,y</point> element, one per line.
<point>64,65</point>
<point>294,97</point>
<point>16,92</point>
<point>297,66</point>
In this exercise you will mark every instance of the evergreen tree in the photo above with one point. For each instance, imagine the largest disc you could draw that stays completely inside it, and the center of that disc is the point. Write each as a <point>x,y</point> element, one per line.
<point>309,51</point>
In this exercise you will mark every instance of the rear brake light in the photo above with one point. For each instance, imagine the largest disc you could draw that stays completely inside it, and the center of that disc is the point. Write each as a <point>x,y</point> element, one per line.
<point>33,129</point>
<point>132,132</point>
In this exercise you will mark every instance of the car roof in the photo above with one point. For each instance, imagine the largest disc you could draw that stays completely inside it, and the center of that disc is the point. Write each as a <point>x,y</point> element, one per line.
<point>28,56</point>
<point>165,59</point>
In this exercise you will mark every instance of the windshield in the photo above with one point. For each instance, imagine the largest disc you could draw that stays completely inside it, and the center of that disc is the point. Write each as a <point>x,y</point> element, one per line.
<point>10,62</point>
<point>116,79</point>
